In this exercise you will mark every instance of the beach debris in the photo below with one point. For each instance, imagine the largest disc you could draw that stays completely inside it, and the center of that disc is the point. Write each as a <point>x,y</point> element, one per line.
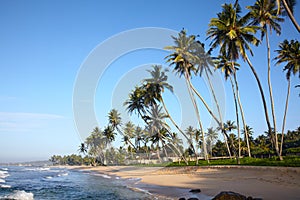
<point>229,195</point>
<point>195,190</point>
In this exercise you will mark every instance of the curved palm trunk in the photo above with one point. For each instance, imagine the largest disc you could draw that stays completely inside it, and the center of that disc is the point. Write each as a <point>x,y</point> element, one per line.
<point>179,154</point>
<point>237,115</point>
<point>270,88</point>
<point>198,117</point>
<point>158,153</point>
<point>220,124</point>
<point>284,116</point>
<point>214,96</point>
<point>290,14</point>
<point>177,127</point>
<point>206,106</point>
<point>164,148</point>
<point>242,114</point>
<point>264,103</point>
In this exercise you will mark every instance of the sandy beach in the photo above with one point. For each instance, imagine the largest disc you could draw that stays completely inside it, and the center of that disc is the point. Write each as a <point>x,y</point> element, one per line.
<point>259,182</point>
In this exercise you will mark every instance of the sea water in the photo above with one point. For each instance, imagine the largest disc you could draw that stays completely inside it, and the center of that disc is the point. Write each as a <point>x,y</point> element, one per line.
<point>28,182</point>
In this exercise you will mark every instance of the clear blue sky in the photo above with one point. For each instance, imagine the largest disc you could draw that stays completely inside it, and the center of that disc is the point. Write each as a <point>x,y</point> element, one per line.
<point>44,43</point>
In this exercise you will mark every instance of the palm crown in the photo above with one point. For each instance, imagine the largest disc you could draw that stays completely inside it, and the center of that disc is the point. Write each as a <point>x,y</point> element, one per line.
<point>232,32</point>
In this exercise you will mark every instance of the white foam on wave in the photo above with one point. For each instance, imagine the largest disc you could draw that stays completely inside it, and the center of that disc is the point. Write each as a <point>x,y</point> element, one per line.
<point>4,169</point>
<point>38,169</point>
<point>103,175</point>
<point>21,195</point>
<point>5,186</point>
<point>2,181</point>
<point>63,174</point>
<point>3,174</point>
<point>48,177</point>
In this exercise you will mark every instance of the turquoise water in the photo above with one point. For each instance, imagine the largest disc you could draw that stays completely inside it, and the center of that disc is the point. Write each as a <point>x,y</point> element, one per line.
<point>19,182</point>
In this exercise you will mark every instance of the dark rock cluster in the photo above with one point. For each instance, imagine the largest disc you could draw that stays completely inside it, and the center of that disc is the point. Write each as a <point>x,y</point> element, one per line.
<point>225,195</point>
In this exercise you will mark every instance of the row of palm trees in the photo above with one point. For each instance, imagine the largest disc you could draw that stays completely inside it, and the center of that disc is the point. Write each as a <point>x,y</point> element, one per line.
<point>232,36</point>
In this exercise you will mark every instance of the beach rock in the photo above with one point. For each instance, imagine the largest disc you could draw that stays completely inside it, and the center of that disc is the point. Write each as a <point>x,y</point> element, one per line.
<point>182,198</point>
<point>228,195</point>
<point>193,198</point>
<point>195,190</point>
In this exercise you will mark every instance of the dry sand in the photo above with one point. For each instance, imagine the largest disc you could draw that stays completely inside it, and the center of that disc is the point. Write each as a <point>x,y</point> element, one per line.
<point>260,182</point>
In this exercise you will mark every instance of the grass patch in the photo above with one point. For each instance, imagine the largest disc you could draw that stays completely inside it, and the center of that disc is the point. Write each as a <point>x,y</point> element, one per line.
<point>289,161</point>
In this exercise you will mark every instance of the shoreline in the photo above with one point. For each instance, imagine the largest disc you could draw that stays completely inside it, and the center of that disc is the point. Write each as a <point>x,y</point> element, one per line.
<point>175,182</point>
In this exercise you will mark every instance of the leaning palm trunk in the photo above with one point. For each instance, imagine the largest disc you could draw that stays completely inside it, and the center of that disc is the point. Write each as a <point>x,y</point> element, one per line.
<point>197,113</point>
<point>264,104</point>
<point>214,95</point>
<point>242,114</point>
<point>237,115</point>
<point>179,154</point>
<point>179,129</point>
<point>198,117</point>
<point>220,124</point>
<point>290,14</point>
<point>270,87</point>
<point>284,116</point>
<point>164,148</point>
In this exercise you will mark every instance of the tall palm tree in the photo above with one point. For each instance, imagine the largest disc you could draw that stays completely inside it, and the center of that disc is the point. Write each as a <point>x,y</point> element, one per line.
<point>109,133</point>
<point>128,133</point>
<point>155,86</point>
<point>264,13</point>
<point>233,34</point>
<point>158,128</point>
<point>96,144</point>
<point>228,127</point>
<point>135,102</point>
<point>183,59</point>
<point>114,119</point>
<point>205,64</point>
<point>288,53</point>
<point>211,137</point>
<point>229,68</point>
<point>138,135</point>
<point>82,148</point>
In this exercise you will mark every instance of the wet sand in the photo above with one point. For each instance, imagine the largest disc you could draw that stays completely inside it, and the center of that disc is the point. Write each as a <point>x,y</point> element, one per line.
<point>259,182</point>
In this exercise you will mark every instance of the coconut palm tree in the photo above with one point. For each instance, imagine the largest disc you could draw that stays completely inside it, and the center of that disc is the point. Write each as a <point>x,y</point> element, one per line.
<point>228,127</point>
<point>96,144</point>
<point>232,33</point>
<point>289,54</point>
<point>211,137</point>
<point>205,64</point>
<point>135,102</point>
<point>158,128</point>
<point>155,86</point>
<point>109,134</point>
<point>82,148</point>
<point>128,132</point>
<point>114,119</point>
<point>229,68</point>
<point>183,59</point>
<point>264,14</point>
<point>138,135</point>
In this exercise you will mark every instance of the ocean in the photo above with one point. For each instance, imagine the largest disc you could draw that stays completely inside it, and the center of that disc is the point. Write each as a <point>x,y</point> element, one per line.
<point>29,182</point>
